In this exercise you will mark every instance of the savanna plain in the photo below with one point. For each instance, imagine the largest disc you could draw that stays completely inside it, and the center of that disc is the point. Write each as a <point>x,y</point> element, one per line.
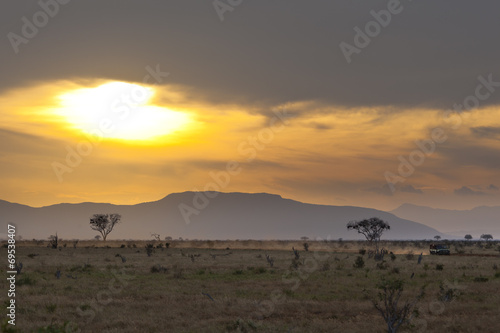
<point>252,286</point>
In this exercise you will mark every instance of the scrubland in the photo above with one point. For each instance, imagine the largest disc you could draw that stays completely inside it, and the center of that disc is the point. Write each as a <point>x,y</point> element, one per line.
<point>230,286</point>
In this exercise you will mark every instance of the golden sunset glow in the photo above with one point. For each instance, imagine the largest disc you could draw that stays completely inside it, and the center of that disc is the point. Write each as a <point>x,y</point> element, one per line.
<point>120,110</point>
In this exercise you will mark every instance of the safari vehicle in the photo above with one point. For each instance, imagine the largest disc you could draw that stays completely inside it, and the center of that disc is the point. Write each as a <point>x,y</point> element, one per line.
<point>439,249</point>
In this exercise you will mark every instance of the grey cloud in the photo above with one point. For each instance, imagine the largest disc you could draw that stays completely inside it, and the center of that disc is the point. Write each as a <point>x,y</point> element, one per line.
<point>486,132</point>
<point>464,190</point>
<point>319,126</point>
<point>460,154</point>
<point>265,52</point>
<point>492,187</point>
<point>383,190</point>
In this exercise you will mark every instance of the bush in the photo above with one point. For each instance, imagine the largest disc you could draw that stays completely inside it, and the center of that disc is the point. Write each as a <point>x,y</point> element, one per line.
<point>382,265</point>
<point>26,280</point>
<point>149,249</point>
<point>410,255</point>
<point>439,267</point>
<point>481,279</point>
<point>325,267</point>
<point>51,308</point>
<point>395,270</point>
<point>362,252</point>
<point>393,256</point>
<point>447,295</point>
<point>55,328</point>
<point>260,270</point>
<point>159,269</point>
<point>391,306</point>
<point>359,263</point>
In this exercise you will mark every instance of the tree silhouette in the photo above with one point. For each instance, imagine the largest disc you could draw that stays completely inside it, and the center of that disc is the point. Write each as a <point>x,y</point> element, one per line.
<point>486,237</point>
<point>468,237</point>
<point>437,237</point>
<point>104,223</point>
<point>371,228</point>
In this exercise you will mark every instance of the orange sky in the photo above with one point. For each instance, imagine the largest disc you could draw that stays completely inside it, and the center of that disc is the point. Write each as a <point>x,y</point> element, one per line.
<point>328,155</point>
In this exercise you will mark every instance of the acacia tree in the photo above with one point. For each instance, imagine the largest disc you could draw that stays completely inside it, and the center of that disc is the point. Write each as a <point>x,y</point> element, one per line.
<point>486,237</point>
<point>468,237</point>
<point>437,237</point>
<point>104,223</point>
<point>371,228</point>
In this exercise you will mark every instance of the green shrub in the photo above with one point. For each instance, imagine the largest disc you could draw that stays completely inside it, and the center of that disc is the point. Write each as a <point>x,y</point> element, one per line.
<point>481,279</point>
<point>51,308</point>
<point>260,270</point>
<point>26,280</point>
<point>158,269</point>
<point>58,328</point>
<point>382,265</point>
<point>439,267</point>
<point>359,263</point>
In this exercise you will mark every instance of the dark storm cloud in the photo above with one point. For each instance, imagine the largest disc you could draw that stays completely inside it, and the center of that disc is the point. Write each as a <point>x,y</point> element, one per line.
<point>459,154</point>
<point>264,52</point>
<point>486,132</point>
<point>464,190</point>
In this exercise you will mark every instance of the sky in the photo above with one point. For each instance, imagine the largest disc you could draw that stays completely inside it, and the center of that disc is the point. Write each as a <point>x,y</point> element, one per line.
<point>364,103</point>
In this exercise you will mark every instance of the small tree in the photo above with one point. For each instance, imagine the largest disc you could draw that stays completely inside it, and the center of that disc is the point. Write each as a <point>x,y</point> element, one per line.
<point>437,237</point>
<point>156,236</point>
<point>393,309</point>
<point>53,241</point>
<point>104,223</point>
<point>371,228</point>
<point>486,237</point>
<point>468,237</point>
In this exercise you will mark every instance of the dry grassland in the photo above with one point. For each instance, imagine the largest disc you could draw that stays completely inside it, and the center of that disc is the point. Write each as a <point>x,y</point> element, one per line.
<point>216,286</point>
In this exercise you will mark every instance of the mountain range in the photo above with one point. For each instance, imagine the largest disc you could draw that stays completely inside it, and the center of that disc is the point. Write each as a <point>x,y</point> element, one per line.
<point>207,215</point>
<point>476,221</point>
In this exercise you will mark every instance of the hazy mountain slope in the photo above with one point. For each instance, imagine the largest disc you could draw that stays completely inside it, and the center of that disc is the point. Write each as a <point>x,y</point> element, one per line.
<point>227,216</point>
<point>456,222</point>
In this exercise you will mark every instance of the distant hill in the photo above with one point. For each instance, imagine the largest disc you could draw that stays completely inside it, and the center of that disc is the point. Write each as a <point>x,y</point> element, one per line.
<point>227,216</point>
<point>477,221</point>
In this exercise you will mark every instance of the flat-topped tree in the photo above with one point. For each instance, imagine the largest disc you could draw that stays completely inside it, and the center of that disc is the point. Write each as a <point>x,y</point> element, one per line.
<point>104,223</point>
<point>371,228</point>
<point>486,237</point>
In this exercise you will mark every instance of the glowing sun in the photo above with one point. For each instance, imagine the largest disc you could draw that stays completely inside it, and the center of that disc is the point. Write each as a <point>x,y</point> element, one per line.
<point>119,110</point>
